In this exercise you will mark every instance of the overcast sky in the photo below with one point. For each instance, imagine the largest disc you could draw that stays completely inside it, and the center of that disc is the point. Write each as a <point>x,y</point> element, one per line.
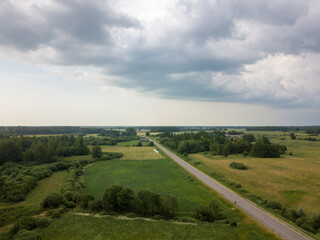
<point>143,62</point>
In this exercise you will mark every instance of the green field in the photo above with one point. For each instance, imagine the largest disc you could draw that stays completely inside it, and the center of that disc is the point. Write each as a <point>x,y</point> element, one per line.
<point>292,180</point>
<point>133,153</point>
<point>162,176</point>
<point>131,143</point>
<point>72,226</point>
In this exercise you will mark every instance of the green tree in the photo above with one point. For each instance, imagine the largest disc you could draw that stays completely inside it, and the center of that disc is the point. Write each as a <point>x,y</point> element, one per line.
<point>293,137</point>
<point>96,152</point>
<point>147,133</point>
<point>111,197</point>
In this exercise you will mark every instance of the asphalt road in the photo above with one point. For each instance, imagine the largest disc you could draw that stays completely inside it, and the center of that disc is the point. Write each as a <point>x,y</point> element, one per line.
<point>266,218</point>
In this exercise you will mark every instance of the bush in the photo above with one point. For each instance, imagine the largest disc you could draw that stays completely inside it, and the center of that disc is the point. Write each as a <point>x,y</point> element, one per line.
<point>28,223</point>
<point>291,214</point>
<point>26,235</point>
<point>186,219</point>
<point>53,200</point>
<point>233,224</point>
<point>95,206</point>
<point>56,214</point>
<point>43,222</point>
<point>273,204</point>
<point>204,213</point>
<point>237,165</point>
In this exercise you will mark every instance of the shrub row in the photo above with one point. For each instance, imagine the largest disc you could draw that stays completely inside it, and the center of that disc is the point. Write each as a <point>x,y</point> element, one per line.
<point>16,180</point>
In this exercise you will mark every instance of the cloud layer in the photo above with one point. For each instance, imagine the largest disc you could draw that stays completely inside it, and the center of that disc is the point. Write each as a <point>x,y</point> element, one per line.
<point>259,52</point>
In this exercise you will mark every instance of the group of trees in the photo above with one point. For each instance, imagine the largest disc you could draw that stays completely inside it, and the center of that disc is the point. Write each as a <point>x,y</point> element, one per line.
<point>41,149</point>
<point>48,130</point>
<point>121,200</point>
<point>111,141</point>
<point>146,203</point>
<point>218,144</point>
<point>299,216</point>
<point>17,180</point>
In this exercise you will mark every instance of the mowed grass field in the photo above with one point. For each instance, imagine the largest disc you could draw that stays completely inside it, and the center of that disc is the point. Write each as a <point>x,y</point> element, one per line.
<point>72,226</point>
<point>292,180</point>
<point>162,176</point>
<point>133,153</point>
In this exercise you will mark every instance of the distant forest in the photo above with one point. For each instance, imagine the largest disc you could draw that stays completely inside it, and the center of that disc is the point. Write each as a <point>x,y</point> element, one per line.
<point>307,129</point>
<point>48,130</point>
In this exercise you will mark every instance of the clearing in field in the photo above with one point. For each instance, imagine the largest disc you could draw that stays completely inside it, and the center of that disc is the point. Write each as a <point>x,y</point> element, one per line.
<point>133,153</point>
<point>292,180</point>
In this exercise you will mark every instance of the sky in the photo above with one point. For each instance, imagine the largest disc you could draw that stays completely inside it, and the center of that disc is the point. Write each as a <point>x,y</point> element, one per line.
<point>146,62</point>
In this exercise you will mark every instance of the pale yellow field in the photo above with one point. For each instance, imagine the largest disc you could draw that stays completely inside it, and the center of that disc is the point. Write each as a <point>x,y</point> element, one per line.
<point>134,153</point>
<point>291,180</point>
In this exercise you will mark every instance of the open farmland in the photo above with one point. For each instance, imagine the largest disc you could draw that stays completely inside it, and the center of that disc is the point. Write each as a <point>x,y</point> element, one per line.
<point>133,153</point>
<point>292,180</point>
<point>161,176</point>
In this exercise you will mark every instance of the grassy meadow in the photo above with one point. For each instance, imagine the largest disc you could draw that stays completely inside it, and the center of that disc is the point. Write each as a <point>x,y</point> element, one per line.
<point>292,180</point>
<point>162,176</point>
<point>133,153</point>
<point>72,226</point>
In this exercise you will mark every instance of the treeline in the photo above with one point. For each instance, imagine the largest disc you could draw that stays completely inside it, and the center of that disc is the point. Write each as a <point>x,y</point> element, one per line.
<point>40,149</point>
<point>216,143</point>
<point>48,130</point>
<point>313,130</point>
<point>112,137</point>
<point>270,128</point>
<point>119,199</point>
<point>165,129</point>
<point>307,129</point>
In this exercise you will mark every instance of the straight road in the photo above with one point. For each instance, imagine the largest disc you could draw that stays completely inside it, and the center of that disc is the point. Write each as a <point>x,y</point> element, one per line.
<point>269,220</point>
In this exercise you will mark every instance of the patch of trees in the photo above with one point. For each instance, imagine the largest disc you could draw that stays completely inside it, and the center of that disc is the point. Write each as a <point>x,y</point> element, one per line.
<point>233,132</point>
<point>312,139</point>
<point>41,149</point>
<point>165,129</point>
<point>130,131</point>
<point>109,133</point>
<point>23,229</point>
<point>313,130</point>
<point>237,165</point>
<point>17,180</point>
<point>48,130</point>
<point>263,148</point>
<point>209,213</point>
<point>299,216</point>
<point>91,140</point>
<point>268,128</point>
<point>121,199</point>
<point>218,144</point>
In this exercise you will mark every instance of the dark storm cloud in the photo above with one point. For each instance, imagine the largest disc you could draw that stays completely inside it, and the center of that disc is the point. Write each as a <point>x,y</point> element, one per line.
<point>84,21</point>
<point>203,57</point>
